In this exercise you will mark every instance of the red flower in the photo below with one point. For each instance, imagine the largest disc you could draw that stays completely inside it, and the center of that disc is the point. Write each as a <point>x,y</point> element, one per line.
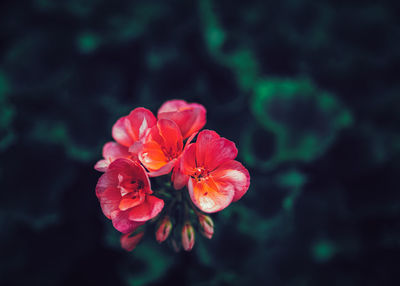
<point>162,147</point>
<point>130,130</point>
<point>161,151</point>
<point>111,152</point>
<point>190,117</point>
<point>129,242</point>
<point>125,195</point>
<point>216,179</point>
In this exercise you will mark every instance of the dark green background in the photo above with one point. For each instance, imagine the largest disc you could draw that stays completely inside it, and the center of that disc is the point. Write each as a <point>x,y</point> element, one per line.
<point>308,90</point>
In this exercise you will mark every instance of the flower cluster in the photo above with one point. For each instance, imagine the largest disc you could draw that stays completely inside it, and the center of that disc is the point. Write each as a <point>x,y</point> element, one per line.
<point>148,147</point>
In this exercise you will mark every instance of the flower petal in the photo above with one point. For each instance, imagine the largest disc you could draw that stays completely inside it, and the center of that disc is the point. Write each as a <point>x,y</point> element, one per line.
<point>109,201</point>
<point>213,150</point>
<point>178,178</point>
<point>121,222</point>
<point>129,242</point>
<point>152,156</point>
<point>113,150</point>
<point>140,119</point>
<point>171,134</point>
<point>190,117</point>
<point>131,168</point>
<point>210,197</point>
<point>163,170</point>
<point>234,173</point>
<point>108,179</point>
<point>204,141</point>
<point>129,129</point>
<point>188,160</point>
<point>101,165</point>
<point>151,207</point>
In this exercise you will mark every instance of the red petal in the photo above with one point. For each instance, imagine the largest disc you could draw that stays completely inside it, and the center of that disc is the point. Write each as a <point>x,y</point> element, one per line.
<point>210,197</point>
<point>171,134</point>
<point>140,119</point>
<point>121,222</point>
<point>108,179</point>
<point>188,160</point>
<point>129,242</point>
<point>113,150</point>
<point>131,168</point>
<point>109,201</point>
<point>120,134</point>
<point>203,143</point>
<point>163,170</point>
<point>132,128</point>
<point>213,150</point>
<point>127,203</point>
<point>178,178</point>
<point>152,156</point>
<point>233,172</point>
<point>101,165</point>
<point>151,207</point>
<point>190,117</point>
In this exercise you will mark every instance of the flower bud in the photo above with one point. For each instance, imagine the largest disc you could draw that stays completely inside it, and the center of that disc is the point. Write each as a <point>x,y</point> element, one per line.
<point>128,242</point>
<point>164,230</point>
<point>207,225</point>
<point>187,236</point>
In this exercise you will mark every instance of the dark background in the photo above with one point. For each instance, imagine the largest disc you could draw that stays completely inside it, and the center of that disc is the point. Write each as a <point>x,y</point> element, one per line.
<point>308,90</point>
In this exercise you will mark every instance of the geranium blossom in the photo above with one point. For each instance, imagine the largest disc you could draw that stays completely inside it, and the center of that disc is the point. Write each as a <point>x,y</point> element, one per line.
<point>131,129</point>
<point>216,179</point>
<point>125,195</point>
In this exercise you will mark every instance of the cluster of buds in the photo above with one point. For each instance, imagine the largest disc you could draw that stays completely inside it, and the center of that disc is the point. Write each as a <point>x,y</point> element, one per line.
<point>204,175</point>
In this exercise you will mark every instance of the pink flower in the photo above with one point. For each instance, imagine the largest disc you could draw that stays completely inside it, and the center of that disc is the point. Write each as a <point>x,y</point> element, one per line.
<point>126,197</point>
<point>190,117</point>
<point>129,242</point>
<point>130,130</point>
<point>187,237</point>
<point>161,148</point>
<point>216,179</point>
<point>111,152</point>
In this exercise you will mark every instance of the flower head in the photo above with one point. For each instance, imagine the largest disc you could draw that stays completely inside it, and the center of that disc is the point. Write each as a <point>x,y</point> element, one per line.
<point>161,148</point>
<point>146,147</point>
<point>216,179</point>
<point>125,195</point>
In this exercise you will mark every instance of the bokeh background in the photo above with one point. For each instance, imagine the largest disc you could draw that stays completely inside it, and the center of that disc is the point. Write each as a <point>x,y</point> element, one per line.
<point>308,90</point>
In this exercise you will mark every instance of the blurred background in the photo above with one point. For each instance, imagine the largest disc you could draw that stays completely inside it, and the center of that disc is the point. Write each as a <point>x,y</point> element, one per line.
<point>308,90</point>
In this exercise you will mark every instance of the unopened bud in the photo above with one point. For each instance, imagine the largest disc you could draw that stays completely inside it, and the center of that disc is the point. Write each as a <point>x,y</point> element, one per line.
<point>163,230</point>
<point>207,225</point>
<point>129,242</point>
<point>187,237</point>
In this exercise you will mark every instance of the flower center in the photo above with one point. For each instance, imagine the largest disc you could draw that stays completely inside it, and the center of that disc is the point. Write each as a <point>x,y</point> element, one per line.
<point>200,173</point>
<point>169,153</point>
<point>128,185</point>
